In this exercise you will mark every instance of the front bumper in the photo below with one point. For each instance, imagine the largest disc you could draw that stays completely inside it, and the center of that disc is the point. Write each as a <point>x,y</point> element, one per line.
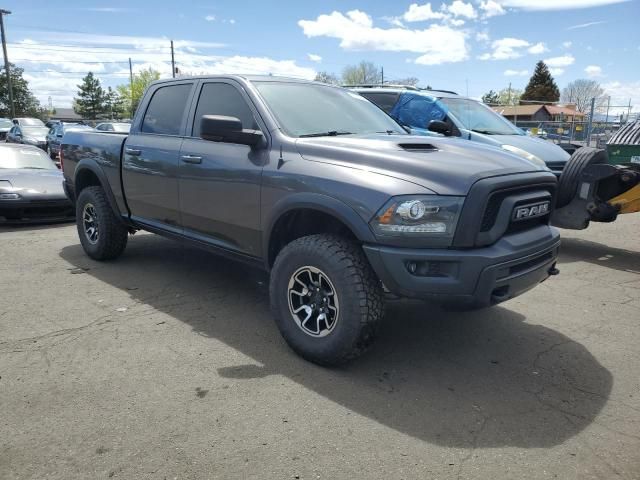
<point>472,277</point>
<point>36,209</point>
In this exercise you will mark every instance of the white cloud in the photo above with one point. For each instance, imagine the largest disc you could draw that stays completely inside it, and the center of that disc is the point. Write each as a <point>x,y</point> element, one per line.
<point>314,58</point>
<point>420,13</point>
<point>621,93</point>
<point>505,48</point>
<point>556,4</point>
<point>516,73</point>
<point>537,49</point>
<point>490,8</point>
<point>232,21</point>
<point>567,44</point>
<point>456,22</point>
<point>210,18</point>
<point>593,71</point>
<point>437,44</point>
<point>556,71</point>
<point>55,71</point>
<point>585,25</point>
<point>460,9</point>
<point>562,61</point>
<point>482,37</point>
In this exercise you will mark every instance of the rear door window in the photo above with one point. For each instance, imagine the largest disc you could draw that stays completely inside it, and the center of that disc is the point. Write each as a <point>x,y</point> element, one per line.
<point>222,99</point>
<point>166,110</point>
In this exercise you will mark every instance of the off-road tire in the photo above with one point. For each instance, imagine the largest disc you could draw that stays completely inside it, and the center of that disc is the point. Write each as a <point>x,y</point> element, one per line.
<point>112,233</point>
<point>570,177</point>
<point>358,289</point>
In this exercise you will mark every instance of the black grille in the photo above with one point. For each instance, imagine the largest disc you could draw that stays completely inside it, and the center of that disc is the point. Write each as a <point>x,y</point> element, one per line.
<point>495,202</point>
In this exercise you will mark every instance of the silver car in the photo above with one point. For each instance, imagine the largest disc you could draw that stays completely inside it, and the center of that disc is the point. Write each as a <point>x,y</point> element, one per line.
<point>31,185</point>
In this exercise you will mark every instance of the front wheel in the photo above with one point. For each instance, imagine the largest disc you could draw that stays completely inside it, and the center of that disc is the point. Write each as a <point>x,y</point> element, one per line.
<point>325,298</point>
<point>102,235</point>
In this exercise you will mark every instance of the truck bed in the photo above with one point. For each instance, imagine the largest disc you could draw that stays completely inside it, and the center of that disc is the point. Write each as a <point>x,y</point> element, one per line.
<point>103,148</point>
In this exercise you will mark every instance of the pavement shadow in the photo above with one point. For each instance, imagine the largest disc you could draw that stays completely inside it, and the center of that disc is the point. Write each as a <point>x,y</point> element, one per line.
<point>578,250</point>
<point>474,379</point>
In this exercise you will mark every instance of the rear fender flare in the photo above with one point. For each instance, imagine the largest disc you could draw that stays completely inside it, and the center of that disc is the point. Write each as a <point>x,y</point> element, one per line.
<point>91,166</point>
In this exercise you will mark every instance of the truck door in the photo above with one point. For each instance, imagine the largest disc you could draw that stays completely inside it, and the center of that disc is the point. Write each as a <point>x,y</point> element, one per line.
<point>219,182</point>
<point>152,155</point>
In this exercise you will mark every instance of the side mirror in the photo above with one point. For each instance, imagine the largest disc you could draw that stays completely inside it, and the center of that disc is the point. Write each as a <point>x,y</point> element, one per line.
<point>439,126</point>
<point>218,128</point>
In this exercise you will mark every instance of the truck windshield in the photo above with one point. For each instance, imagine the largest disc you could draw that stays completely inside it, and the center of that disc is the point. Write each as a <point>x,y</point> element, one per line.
<point>477,117</point>
<point>309,110</point>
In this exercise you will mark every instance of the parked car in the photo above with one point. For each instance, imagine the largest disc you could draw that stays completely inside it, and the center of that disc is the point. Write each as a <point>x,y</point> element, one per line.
<point>439,112</point>
<point>51,123</point>
<point>321,188</point>
<point>28,135</point>
<point>28,122</point>
<point>56,133</point>
<point>31,185</point>
<point>118,127</point>
<point>5,126</point>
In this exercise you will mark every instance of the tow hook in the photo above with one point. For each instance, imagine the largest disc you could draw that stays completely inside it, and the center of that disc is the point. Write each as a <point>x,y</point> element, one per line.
<point>553,270</point>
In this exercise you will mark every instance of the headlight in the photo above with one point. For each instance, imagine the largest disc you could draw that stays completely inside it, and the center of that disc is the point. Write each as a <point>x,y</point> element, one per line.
<point>420,215</point>
<point>9,196</point>
<point>524,154</point>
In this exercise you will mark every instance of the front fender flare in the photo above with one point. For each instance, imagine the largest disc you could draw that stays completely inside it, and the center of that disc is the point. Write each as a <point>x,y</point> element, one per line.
<point>322,203</point>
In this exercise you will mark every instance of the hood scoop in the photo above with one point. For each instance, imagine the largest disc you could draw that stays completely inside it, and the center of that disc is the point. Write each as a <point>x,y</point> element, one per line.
<point>417,147</point>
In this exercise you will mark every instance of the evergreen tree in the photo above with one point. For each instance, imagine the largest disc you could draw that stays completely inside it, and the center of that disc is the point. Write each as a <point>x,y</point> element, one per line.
<point>25,103</point>
<point>90,102</point>
<point>115,105</point>
<point>541,87</point>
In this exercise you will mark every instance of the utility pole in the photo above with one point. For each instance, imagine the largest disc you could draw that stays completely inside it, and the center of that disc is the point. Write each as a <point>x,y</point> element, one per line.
<point>381,75</point>
<point>509,95</point>
<point>173,62</point>
<point>6,62</point>
<point>131,86</point>
<point>590,124</point>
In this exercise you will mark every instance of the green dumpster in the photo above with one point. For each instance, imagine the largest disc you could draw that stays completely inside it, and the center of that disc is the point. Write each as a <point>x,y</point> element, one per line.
<point>624,145</point>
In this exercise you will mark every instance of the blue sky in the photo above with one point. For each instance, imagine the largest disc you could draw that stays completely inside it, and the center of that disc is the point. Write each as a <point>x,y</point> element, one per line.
<point>470,46</point>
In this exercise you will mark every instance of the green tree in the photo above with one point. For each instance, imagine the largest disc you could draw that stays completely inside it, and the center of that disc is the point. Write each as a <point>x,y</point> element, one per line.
<point>362,73</point>
<point>25,103</point>
<point>131,96</point>
<point>115,106</point>
<point>541,87</point>
<point>90,101</point>
<point>490,98</point>
<point>326,77</point>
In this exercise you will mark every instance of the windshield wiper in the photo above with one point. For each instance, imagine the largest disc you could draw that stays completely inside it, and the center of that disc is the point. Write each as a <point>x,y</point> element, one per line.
<point>331,133</point>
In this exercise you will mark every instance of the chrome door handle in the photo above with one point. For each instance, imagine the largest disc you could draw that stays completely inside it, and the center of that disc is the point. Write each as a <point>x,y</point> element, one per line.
<point>191,159</point>
<point>132,151</point>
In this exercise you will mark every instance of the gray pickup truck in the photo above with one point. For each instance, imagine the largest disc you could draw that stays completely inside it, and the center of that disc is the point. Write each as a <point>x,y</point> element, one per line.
<point>322,189</point>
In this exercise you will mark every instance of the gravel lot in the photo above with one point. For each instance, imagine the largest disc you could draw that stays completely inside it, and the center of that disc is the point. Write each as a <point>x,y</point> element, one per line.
<point>166,364</point>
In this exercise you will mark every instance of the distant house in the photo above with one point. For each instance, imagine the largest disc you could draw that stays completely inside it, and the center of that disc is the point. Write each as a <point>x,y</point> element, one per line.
<point>65,115</point>
<point>540,113</point>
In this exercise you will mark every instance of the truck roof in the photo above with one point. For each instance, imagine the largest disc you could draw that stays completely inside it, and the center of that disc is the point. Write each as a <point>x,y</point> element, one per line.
<point>249,78</point>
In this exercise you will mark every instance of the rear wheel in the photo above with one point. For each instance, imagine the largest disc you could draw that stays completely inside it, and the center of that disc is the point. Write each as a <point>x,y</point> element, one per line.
<point>570,177</point>
<point>102,235</point>
<point>325,298</point>
<point>50,152</point>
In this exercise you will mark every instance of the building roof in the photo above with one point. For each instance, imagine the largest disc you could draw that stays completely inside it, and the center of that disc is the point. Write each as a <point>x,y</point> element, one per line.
<point>65,114</point>
<point>526,110</point>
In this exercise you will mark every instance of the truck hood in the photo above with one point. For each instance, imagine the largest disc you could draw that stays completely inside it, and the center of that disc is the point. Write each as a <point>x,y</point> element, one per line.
<point>543,149</point>
<point>446,166</point>
<point>31,184</point>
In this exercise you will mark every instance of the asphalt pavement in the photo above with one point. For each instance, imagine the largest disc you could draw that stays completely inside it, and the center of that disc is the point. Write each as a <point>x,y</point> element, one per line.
<point>167,364</point>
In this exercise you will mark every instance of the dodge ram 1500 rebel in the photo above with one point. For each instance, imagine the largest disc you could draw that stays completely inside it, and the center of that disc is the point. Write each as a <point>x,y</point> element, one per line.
<point>322,189</point>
